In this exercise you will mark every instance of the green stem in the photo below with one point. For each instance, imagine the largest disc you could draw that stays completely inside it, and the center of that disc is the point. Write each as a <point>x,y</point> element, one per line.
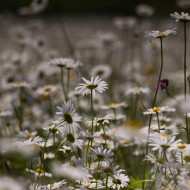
<point>157,116</point>
<point>62,84</point>
<point>154,102</point>
<point>92,110</point>
<point>104,135</point>
<point>136,104</point>
<point>68,81</point>
<point>185,78</point>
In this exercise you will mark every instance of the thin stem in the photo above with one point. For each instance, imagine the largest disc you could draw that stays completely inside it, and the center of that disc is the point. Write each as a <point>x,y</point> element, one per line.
<point>68,81</point>
<point>104,135</point>
<point>136,104</point>
<point>62,84</point>
<point>158,122</point>
<point>92,110</point>
<point>185,83</point>
<point>154,102</point>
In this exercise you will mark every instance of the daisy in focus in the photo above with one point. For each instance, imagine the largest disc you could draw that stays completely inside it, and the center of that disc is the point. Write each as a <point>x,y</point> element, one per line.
<point>160,34</point>
<point>92,85</point>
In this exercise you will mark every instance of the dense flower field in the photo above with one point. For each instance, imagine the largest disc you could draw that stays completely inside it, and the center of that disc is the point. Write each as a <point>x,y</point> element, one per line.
<point>108,111</point>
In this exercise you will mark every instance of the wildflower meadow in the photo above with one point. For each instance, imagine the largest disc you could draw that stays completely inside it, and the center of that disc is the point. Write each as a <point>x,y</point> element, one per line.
<point>95,104</point>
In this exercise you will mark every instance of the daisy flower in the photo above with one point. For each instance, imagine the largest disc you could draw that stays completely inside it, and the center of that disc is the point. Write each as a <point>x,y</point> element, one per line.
<point>160,34</point>
<point>102,154</point>
<point>56,185</point>
<point>101,120</point>
<point>39,172</point>
<point>183,17</point>
<point>114,105</point>
<point>155,110</point>
<point>9,184</point>
<point>138,90</point>
<point>103,71</point>
<point>118,181</point>
<point>162,141</point>
<point>92,85</point>
<point>72,140</point>
<point>69,116</point>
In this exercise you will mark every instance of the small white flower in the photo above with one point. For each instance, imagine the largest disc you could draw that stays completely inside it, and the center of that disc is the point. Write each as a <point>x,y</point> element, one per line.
<point>118,181</point>
<point>138,90</point>
<point>101,120</point>
<point>183,17</point>
<point>39,172</point>
<point>102,154</point>
<point>92,85</point>
<point>69,116</point>
<point>155,110</point>
<point>160,34</point>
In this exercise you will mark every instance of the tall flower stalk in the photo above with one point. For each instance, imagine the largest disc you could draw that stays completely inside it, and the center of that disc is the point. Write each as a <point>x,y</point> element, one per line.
<point>160,35</point>
<point>184,18</point>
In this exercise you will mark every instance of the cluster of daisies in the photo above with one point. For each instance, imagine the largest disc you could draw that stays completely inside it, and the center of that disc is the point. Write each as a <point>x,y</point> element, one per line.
<point>65,131</point>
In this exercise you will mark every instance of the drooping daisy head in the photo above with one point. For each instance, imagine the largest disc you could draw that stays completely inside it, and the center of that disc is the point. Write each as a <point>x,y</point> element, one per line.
<point>92,85</point>
<point>160,34</point>
<point>183,17</point>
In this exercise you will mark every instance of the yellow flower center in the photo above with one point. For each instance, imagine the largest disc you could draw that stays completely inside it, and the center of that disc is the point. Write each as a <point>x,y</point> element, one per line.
<point>182,146</point>
<point>137,90</point>
<point>156,109</point>
<point>112,105</point>
<point>52,185</point>
<point>161,33</point>
<point>124,142</point>
<point>165,135</point>
<point>88,185</point>
<point>39,170</point>
<point>187,157</point>
<point>47,88</point>
<point>160,161</point>
<point>29,134</point>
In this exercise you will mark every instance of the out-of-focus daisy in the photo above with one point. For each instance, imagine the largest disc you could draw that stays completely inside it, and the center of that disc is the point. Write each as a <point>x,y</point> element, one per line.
<point>92,85</point>
<point>102,154</point>
<point>155,110</point>
<point>9,184</point>
<point>68,63</point>
<point>56,185</point>
<point>125,22</point>
<point>90,184</point>
<point>183,17</point>
<point>35,7</point>
<point>103,71</point>
<point>69,116</point>
<point>27,133</point>
<point>160,34</point>
<point>72,139</point>
<point>184,155</point>
<point>162,141</point>
<point>39,172</point>
<point>101,120</point>
<point>144,10</point>
<point>71,172</point>
<point>138,90</point>
<point>118,181</point>
<point>183,3</point>
<point>5,113</point>
<point>46,91</point>
<point>114,105</point>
